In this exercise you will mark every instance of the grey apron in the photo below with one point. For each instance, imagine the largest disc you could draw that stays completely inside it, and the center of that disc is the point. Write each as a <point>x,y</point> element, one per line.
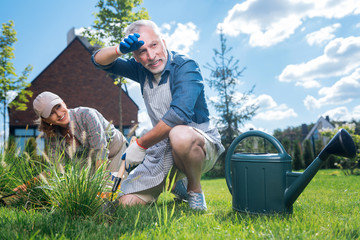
<point>158,160</point>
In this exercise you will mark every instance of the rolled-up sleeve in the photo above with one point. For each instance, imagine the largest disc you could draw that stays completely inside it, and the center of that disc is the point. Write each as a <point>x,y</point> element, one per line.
<point>186,89</point>
<point>99,66</point>
<point>128,68</point>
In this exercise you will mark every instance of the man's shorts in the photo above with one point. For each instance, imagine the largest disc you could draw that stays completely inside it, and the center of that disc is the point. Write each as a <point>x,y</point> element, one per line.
<point>212,153</point>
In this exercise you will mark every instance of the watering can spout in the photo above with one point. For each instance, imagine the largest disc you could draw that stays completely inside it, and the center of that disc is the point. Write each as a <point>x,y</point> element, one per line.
<point>341,145</point>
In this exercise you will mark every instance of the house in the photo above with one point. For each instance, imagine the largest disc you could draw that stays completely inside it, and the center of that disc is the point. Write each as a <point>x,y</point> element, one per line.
<point>314,134</point>
<point>74,78</point>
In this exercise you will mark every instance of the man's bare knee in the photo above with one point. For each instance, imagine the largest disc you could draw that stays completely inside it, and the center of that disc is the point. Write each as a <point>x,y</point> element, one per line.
<point>131,200</point>
<point>184,138</point>
<point>178,135</point>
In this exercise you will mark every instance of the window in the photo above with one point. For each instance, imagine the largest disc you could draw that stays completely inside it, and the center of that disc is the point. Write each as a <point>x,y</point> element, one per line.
<point>24,132</point>
<point>22,135</point>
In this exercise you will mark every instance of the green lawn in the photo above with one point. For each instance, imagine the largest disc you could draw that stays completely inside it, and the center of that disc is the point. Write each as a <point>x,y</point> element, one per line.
<point>329,208</point>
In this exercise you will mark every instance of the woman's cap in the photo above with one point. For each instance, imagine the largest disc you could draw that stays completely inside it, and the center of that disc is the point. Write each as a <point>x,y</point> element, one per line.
<point>44,103</point>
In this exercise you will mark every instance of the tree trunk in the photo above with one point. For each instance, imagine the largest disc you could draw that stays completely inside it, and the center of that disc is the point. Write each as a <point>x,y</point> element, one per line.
<point>4,115</point>
<point>120,108</point>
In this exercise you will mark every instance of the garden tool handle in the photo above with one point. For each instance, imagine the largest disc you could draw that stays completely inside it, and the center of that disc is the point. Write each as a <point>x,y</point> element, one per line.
<point>118,177</point>
<point>121,171</point>
<point>9,195</point>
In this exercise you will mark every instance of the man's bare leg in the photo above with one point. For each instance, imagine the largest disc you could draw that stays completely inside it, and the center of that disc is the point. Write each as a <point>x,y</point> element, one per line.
<point>131,200</point>
<point>189,154</point>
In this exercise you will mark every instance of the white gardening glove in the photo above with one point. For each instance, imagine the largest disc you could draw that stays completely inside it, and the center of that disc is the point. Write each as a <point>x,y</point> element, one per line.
<point>133,155</point>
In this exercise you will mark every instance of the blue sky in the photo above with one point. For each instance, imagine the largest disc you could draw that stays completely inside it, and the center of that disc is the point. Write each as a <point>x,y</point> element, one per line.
<point>303,56</point>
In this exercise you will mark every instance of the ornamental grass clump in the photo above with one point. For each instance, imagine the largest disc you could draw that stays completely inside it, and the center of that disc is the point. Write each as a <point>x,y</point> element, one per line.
<point>70,185</point>
<point>26,173</point>
<point>18,180</point>
<point>75,188</point>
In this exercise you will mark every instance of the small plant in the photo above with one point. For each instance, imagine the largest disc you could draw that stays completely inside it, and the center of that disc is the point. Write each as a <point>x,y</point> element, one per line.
<point>165,218</point>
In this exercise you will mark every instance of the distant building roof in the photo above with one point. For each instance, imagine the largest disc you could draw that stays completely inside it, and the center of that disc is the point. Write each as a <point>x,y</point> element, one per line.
<point>321,124</point>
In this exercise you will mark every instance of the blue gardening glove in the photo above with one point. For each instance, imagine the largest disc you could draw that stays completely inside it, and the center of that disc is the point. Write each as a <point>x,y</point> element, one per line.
<point>130,43</point>
<point>133,155</point>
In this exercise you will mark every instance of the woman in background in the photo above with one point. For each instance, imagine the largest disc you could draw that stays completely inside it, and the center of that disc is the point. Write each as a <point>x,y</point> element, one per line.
<point>80,129</point>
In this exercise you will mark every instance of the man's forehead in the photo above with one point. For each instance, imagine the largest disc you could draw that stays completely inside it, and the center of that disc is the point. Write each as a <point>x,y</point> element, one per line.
<point>148,33</point>
<point>148,41</point>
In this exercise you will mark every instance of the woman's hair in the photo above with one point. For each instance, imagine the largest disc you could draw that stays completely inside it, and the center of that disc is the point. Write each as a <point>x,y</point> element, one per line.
<point>49,130</point>
<point>134,27</point>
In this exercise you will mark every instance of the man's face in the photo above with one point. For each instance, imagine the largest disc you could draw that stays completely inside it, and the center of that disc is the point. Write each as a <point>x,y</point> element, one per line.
<point>152,55</point>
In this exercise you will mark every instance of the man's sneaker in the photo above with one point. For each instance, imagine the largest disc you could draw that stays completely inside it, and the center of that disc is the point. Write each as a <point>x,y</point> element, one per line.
<point>197,201</point>
<point>180,190</point>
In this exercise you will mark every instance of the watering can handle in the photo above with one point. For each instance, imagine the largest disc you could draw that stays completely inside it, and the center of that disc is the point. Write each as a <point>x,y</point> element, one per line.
<point>251,133</point>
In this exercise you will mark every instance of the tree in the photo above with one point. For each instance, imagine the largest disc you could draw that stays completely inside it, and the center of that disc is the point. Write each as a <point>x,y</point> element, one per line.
<point>289,136</point>
<point>110,22</point>
<point>297,160</point>
<point>308,155</point>
<point>231,106</point>
<point>10,83</point>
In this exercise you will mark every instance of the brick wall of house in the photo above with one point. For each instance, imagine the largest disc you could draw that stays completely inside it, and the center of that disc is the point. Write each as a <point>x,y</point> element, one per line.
<point>75,79</point>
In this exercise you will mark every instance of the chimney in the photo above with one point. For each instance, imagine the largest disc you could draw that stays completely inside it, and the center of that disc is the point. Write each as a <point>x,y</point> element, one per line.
<point>70,35</point>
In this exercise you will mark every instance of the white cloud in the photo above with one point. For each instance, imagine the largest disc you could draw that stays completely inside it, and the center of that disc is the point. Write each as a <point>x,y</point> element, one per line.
<point>166,26</point>
<point>338,114</point>
<point>133,86</point>
<point>269,110</point>
<point>80,31</point>
<point>278,113</point>
<point>323,35</point>
<point>356,113</point>
<point>182,38</point>
<point>341,56</point>
<point>11,95</point>
<point>343,91</point>
<point>270,22</point>
<point>144,123</point>
<point>251,126</point>
<point>343,114</point>
<point>214,99</point>
<point>265,102</point>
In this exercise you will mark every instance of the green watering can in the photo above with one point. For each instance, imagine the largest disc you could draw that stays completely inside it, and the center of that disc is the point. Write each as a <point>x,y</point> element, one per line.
<point>264,182</point>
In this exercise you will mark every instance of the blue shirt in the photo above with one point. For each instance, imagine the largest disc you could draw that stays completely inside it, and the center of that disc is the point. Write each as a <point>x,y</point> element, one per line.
<point>186,85</point>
